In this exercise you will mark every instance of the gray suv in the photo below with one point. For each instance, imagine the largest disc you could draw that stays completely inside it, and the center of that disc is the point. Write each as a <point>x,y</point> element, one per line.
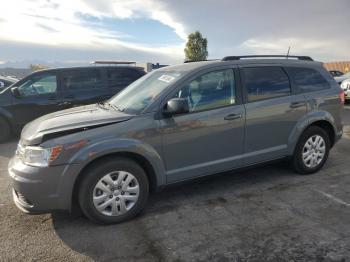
<point>174,124</point>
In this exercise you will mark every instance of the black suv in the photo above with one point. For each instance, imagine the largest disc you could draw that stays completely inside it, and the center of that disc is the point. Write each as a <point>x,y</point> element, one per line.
<point>52,90</point>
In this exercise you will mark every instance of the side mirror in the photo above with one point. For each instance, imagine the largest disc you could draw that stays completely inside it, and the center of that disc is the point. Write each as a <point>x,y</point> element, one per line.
<point>176,106</point>
<point>15,92</point>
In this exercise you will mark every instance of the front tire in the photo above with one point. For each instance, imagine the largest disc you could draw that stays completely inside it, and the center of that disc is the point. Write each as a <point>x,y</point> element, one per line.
<point>311,151</point>
<point>113,191</point>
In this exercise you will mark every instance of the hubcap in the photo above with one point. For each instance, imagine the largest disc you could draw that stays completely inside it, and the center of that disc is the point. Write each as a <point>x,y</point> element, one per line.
<point>116,193</point>
<point>314,151</point>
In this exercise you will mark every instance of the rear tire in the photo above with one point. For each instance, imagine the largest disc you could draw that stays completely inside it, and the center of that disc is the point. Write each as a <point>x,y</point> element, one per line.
<point>311,151</point>
<point>113,191</point>
<point>5,130</point>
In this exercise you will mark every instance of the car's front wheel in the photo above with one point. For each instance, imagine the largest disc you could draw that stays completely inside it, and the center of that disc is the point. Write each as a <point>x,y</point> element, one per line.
<point>113,191</point>
<point>311,151</point>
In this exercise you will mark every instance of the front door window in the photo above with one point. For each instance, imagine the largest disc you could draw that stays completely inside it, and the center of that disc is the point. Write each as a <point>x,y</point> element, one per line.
<point>209,91</point>
<point>38,85</point>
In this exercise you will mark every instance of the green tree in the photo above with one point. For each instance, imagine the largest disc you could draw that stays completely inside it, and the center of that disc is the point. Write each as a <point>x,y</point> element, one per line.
<point>196,47</point>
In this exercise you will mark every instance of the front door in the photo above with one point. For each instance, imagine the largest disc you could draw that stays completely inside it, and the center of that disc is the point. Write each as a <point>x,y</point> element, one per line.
<point>38,96</point>
<point>210,138</point>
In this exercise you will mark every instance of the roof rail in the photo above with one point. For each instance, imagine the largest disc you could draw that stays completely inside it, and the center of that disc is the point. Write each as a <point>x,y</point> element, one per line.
<point>111,62</point>
<point>190,61</point>
<point>229,58</point>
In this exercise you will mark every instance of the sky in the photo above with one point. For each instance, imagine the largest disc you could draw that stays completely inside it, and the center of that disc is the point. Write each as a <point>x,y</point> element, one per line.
<point>72,32</point>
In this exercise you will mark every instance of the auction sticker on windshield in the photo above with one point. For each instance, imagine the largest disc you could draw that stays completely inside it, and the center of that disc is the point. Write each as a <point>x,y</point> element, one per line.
<point>166,78</point>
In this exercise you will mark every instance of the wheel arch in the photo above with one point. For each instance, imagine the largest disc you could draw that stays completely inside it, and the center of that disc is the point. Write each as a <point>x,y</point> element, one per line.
<point>321,119</point>
<point>328,127</point>
<point>139,159</point>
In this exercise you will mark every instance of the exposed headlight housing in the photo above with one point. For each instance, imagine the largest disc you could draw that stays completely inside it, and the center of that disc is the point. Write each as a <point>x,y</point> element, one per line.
<point>38,156</point>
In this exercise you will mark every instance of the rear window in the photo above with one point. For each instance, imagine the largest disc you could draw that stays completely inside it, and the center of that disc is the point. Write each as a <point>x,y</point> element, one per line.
<point>265,82</point>
<point>121,78</point>
<point>308,79</point>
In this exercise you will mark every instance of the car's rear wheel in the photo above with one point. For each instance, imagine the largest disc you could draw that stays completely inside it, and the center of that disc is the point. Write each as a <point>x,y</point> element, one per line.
<point>311,151</point>
<point>113,191</point>
<point>5,130</point>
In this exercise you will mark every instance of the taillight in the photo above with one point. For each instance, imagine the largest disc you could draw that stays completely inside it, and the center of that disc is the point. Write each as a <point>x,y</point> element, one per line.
<point>342,97</point>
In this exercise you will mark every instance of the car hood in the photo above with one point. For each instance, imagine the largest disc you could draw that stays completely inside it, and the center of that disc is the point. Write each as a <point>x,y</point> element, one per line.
<point>74,119</point>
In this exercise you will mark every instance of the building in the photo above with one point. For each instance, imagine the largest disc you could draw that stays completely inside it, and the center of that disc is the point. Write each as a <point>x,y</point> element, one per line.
<point>150,66</point>
<point>343,66</point>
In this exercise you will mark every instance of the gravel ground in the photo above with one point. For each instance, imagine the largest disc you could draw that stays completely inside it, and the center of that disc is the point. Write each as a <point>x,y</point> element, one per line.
<point>267,213</point>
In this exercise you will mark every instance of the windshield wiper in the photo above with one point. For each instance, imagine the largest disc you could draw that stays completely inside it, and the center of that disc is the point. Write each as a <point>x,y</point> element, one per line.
<point>103,105</point>
<point>116,107</point>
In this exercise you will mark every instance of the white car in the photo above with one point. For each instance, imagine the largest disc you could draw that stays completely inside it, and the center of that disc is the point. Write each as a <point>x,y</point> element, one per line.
<point>6,81</point>
<point>345,85</point>
<point>340,79</point>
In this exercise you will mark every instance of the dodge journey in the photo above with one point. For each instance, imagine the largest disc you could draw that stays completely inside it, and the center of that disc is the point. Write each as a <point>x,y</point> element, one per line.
<point>174,124</point>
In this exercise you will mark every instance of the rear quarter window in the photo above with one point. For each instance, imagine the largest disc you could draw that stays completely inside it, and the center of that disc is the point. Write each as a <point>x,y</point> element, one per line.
<point>308,79</point>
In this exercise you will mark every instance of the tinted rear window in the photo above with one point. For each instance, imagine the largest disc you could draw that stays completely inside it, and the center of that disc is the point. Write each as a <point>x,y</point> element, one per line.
<point>82,79</point>
<point>308,79</point>
<point>265,82</point>
<point>120,78</point>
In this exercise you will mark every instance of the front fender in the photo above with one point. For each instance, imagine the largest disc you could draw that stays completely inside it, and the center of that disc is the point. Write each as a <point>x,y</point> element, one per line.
<point>305,122</point>
<point>97,150</point>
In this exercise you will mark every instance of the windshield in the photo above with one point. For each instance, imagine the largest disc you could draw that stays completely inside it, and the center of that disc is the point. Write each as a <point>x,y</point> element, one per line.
<point>141,93</point>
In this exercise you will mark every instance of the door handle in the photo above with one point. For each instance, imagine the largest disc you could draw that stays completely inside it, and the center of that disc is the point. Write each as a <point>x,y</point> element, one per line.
<point>297,104</point>
<point>233,116</point>
<point>69,97</point>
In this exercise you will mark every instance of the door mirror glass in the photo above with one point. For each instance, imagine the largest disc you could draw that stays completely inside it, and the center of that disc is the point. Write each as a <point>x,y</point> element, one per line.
<point>176,106</point>
<point>15,92</point>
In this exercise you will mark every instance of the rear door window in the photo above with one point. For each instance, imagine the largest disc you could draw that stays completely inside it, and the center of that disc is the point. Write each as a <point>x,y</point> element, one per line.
<point>308,79</point>
<point>119,78</point>
<point>82,80</point>
<point>265,82</point>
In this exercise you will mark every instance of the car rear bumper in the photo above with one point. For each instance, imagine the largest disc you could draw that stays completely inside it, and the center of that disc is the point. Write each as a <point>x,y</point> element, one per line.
<point>35,189</point>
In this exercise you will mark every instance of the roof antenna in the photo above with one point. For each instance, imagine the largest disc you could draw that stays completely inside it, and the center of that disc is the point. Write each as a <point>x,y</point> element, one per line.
<point>288,52</point>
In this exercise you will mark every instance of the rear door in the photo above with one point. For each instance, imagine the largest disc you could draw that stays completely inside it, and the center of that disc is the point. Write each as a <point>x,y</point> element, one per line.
<point>273,109</point>
<point>83,86</point>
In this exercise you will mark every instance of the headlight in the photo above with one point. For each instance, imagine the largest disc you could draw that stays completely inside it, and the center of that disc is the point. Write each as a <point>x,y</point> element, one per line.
<point>38,156</point>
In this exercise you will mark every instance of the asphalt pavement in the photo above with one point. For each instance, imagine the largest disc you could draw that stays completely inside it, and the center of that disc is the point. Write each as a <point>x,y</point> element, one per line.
<point>267,213</point>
